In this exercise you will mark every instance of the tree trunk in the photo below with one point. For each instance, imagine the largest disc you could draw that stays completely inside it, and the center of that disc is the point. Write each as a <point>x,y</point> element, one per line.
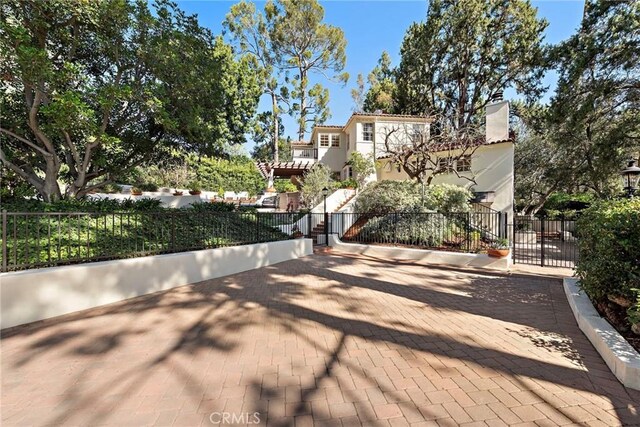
<point>50,190</point>
<point>303,105</point>
<point>274,106</point>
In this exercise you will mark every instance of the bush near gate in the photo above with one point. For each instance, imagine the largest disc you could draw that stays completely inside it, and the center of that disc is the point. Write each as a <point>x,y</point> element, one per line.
<point>609,264</point>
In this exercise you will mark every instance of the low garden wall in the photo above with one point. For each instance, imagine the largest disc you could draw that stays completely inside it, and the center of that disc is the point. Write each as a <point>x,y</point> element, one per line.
<point>38,294</point>
<point>422,255</point>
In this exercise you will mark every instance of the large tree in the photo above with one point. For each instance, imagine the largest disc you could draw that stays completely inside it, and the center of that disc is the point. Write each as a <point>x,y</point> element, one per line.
<point>382,87</point>
<point>592,125</point>
<point>464,53</point>
<point>595,112</point>
<point>92,89</point>
<point>306,45</point>
<point>252,32</point>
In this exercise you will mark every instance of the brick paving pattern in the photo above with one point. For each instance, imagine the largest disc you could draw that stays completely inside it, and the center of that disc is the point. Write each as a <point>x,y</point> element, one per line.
<point>326,340</point>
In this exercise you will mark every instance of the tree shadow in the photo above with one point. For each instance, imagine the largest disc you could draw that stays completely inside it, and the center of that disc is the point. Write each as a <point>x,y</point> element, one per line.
<point>293,294</point>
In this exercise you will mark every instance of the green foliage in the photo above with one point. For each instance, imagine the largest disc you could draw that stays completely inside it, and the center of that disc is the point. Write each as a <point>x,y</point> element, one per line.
<point>382,87</point>
<point>566,205</point>
<point>307,45</point>
<point>609,236</point>
<point>500,244</point>
<point>237,174</point>
<point>137,228</point>
<point>97,88</point>
<point>388,196</point>
<point>284,186</point>
<point>211,207</point>
<point>111,188</point>
<point>148,186</point>
<point>362,167</point>
<point>401,196</point>
<point>348,183</point>
<point>317,178</point>
<point>464,52</point>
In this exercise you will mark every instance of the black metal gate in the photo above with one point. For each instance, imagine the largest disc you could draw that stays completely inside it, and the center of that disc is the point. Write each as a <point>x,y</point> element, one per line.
<point>545,242</point>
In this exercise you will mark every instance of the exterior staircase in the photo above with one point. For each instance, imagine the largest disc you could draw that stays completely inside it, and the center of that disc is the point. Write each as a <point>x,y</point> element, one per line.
<point>345,202</point>
<point>316,231</point>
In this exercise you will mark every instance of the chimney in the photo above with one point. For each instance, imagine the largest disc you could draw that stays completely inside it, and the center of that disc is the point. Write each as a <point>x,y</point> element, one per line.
<point>497,123</point>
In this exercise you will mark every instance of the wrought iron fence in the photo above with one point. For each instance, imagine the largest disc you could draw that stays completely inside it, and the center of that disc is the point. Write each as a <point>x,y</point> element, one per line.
<point>461,232</point>
<point>37,239</point>
<point>545,242</point>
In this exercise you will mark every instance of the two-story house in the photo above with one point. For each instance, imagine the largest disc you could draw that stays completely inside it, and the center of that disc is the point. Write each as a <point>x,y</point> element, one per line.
<point>487,170</point>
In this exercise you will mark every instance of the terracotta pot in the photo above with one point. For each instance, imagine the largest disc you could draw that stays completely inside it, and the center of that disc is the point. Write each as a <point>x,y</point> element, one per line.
<point>178,193</point>
<point>136,194</point>
<point>298,235</point>
<point>498,253</point>
<point>194,192</point>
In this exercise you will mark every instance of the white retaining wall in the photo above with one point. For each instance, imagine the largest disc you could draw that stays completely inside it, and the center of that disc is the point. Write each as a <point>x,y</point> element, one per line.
<point>38,294</point>
<point>428,256</point>
<point>622,359</point>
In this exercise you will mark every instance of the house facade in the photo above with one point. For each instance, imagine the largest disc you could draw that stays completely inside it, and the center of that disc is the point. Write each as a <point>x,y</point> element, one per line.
<point>487,170</point>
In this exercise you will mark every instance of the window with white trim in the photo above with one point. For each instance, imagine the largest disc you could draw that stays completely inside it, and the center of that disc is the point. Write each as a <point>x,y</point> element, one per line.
<point>335,141</point>
<point>324,140</point>
<point>463,164</point>
<point>417,133</point>
<point>367,131</point>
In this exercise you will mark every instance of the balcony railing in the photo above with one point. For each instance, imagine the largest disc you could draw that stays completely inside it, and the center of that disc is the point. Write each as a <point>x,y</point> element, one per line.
<point>305,153</point>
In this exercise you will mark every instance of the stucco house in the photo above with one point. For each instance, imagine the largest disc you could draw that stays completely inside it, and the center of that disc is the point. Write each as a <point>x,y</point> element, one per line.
<point>487,170</point>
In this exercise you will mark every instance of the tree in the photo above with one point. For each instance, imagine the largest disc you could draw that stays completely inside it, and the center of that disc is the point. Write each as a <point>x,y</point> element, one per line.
<point>426,151</point>
<point>595,113</point>
<point>307,46</point>
<point>362,167</point>
<point>592,125</point>
<point>357,94</point>
<point>317,178</point>
<point>465,53</point>
<point>252,33</point>
<point>382,87</point>
<point>262,134</point>
<point>92,89</point>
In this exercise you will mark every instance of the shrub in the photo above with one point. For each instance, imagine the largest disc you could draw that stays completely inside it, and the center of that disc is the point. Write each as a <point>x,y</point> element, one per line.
<point>362,167</point>
<point>111,188</point>
<point>148,186</point>
<point>348,183</point>
<point>284,186</point>
<point>212,207</point>
<point>447,198</point>
<point>399,196</point>
<point>317,178</point>
<point>609,243</point>
<point>388,196</point>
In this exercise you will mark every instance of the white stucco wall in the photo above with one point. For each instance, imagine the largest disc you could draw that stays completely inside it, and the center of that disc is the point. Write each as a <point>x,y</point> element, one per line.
<point>334,157</point>
<point>39,294</point>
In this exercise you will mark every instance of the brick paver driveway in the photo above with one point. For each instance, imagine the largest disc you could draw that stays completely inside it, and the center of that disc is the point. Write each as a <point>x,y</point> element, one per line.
<point>325,340</point>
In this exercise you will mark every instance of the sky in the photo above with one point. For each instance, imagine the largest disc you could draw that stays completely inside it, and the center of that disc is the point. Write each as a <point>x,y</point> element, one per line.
<point>373,26</point>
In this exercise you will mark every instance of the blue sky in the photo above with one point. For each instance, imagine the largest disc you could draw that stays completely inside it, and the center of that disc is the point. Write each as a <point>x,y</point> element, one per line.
<point>373,26</point>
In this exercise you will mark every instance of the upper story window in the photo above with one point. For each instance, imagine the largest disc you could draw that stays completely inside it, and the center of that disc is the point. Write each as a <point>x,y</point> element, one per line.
<point>335,140</point>
<point>367,131</point>
<point>463,164</point>
<point>348,142</point>
<point>324,140</point>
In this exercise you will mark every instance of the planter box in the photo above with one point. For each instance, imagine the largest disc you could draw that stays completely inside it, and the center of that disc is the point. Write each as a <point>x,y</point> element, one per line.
<point>528,237</point>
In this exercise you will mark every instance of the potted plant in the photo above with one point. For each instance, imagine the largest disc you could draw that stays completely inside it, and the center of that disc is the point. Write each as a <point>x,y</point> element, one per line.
<point>499,248</point>
<point>194,189</point>
<point>297,234</point>
<point>135,191</point>
<point>177,193</point>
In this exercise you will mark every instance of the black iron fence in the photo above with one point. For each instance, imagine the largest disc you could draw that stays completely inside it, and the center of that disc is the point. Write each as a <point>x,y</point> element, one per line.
<point>32,240</point>
<point>462,232</point>
<point>545,242</point>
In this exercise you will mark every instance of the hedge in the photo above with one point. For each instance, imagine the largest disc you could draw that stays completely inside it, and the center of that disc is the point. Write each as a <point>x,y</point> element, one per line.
<point>609,243</point>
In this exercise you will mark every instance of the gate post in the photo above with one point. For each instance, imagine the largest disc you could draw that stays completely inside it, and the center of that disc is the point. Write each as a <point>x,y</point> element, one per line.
<point>542,241</point>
